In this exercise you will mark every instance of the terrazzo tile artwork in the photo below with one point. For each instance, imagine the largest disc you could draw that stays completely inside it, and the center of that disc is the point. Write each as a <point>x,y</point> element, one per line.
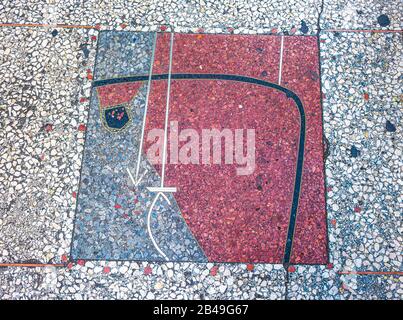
<point>201,149</point>
<point>163,92</point>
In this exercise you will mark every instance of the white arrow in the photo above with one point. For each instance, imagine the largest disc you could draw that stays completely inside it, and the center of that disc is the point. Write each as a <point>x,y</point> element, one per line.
<point>160,190</point>
<point>136,181</point>
<point>164,151</point>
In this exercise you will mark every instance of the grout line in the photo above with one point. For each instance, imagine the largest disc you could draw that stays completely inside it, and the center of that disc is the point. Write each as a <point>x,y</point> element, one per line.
<point>281,60</point>
<point>31,265</point>
<point>286,285</point>
<point>325,179</point>
<point>320,12</point>
<point>67,26</point>
<point>363,30</point>
<point>398,273</point>
<point>164,151</point>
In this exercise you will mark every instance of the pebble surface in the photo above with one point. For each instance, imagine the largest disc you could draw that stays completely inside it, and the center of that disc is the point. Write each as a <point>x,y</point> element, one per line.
<point>44,104</point>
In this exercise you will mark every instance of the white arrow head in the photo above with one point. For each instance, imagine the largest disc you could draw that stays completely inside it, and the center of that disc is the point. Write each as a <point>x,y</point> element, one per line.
<point>136,181</point>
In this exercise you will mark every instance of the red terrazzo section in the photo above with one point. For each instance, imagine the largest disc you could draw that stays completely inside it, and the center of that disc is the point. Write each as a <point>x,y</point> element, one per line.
<point>161,55</point>
<point>235,218</point>
<point>115,94</point>
<point>253,56</point>
<point>155,114</point>
<point>301,74</point>
<point>230,217</point>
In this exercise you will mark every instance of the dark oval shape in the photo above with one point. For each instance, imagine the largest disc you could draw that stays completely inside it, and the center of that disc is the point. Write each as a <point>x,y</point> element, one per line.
<point>115,118</point>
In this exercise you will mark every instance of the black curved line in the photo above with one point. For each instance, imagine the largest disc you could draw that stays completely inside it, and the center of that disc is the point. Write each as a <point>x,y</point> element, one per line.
<point>244,79</point>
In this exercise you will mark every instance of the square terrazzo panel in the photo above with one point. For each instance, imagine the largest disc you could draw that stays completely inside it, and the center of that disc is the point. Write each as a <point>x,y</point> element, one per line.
<point>265,84</point>
<point>88,210</point>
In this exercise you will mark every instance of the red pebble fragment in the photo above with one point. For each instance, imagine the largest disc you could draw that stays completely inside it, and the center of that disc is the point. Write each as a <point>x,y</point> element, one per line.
<point>82,127</point>
<point>291,269</point>
<point>98,26</point>
<point>366,96</point>
<point>93,38</point>
<point>64,258</point>
<point>274,30</point>
<point>329,266</point>
<point>357,209</point>
<point>83,99</point>
<point>70,265</point>
<point>214,271</point>
<point>106,270</point>
<point>333,222</point>
<point>74,194</point>
<point>123,25</point>
<point>293,30</point>
<point>81,262</point>
<point>89,76</point>
<point>148,270</point>
<point>250,267</point>
<point>118,206</point>
<point>48,127</point>
<point>163,28</point>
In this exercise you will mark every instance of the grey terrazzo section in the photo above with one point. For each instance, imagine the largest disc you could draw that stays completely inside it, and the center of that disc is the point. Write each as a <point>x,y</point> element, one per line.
<point>362,14</point>
<point>128,281</point>
<point>104,231</point>
<point>361,77</point>
<point>122,54</point>
<point>43,78</point>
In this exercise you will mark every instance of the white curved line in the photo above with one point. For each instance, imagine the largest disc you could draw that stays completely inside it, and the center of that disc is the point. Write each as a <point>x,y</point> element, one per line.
<point>165,197</point>
<point>149,225</point>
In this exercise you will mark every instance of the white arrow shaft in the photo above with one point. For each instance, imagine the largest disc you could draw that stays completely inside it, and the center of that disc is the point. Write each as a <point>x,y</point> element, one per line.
<point>164,151</point>
<point>146,108</point>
